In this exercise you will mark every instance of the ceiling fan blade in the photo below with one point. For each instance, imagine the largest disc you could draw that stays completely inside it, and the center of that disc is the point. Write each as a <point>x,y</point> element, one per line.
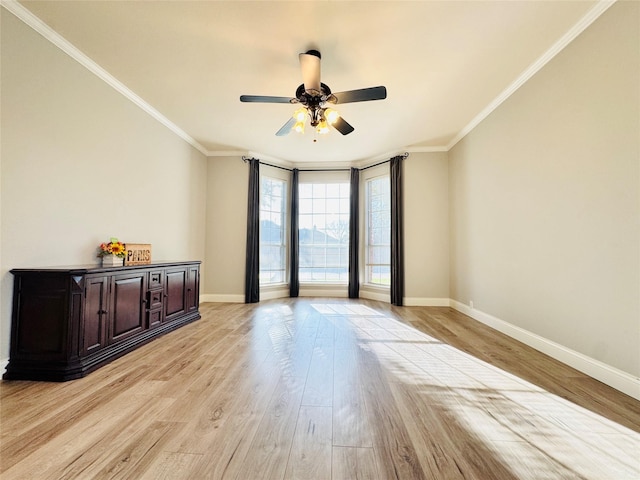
<point>342,126</point>
<point>286,128</point>
<point>361,95</point>
<point>266,99</point>
<point>310,66</point>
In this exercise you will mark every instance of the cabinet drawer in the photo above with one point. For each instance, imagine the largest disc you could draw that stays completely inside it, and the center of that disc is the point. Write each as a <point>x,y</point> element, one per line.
<point>155,299</point>
<point>154,318</point>
<point>155,279</point>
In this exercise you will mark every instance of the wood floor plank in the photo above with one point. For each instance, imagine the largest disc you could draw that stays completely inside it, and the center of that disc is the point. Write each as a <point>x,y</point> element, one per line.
<point>133,458</point>
<point>171,466</point>
<point>40,434</point>
<point>323,388</point>
<point>354,463</point>
<point>226,453</point>
<point>399,458</point>
<point>272,441</point>
<point>69,453</point>
<point>310,456</point>
<point>217,404</point>
<point>318,389</point>
<point>352,422</point>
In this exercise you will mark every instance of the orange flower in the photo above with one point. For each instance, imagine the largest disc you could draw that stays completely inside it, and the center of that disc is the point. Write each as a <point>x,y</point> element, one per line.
<point>114,247</point>
<point>117,248</point>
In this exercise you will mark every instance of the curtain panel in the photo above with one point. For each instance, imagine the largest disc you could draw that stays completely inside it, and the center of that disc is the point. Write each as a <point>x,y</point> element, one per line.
<point>354,229</point>
<point>294,279</point>
<point>252,264</point>
<point>397,235</point>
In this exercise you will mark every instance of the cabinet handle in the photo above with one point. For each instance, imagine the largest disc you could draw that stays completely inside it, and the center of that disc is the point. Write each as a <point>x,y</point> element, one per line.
<point>102,312</point>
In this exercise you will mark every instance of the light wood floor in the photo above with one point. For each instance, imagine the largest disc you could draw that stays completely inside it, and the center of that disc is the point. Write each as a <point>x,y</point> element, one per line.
<point>323,389</point>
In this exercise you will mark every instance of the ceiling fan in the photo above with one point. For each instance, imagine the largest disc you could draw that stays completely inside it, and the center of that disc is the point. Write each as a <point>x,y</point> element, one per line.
<point>315,99</point>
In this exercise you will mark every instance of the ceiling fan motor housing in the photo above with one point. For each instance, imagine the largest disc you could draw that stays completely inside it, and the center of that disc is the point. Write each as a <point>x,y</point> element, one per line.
<point>314,102</point>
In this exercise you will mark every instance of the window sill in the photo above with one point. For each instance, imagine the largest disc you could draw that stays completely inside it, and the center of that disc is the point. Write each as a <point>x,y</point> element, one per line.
<point>375,287</point>
<point>273,286</point>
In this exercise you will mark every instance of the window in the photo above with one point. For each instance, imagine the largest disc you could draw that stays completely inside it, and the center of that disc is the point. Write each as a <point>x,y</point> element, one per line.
<point>378,231</point>
<point>273,231</point>
<point>324,232</point>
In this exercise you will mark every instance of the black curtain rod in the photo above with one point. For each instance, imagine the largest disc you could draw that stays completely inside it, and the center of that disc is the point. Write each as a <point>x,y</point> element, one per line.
<point>245,159</point>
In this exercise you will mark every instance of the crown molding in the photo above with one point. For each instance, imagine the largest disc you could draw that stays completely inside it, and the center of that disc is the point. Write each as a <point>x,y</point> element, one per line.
<point>226,153</point>
<point>63,44</point>
<point>595,12</point>
<point>430,149</point>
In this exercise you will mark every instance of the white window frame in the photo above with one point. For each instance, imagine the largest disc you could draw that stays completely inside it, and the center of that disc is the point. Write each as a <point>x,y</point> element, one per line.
<point>375,173</point>
<point>277,175</point>
<point>324,178</point>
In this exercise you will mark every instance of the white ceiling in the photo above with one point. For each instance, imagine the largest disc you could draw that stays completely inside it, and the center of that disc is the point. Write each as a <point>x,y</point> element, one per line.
<point>445,64</point>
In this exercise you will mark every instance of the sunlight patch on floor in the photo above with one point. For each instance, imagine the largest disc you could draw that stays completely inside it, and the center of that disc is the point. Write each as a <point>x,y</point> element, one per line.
<point>518,421</point>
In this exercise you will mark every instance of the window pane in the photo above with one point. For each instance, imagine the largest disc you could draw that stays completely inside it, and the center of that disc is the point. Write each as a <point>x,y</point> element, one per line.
<point>333,190</point>
<point>319,190</point>
<point>318,205</point>
<point>324,233</point>
<point>305,205</point>
<point>305,190</point>
<point>378,235</point>
<point>272,231</point>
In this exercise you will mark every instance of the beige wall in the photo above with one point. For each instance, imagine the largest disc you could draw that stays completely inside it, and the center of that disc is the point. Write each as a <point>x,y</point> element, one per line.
<point>426,228</point>
<point>544,199</point>
<point>80,163</point>
<point>226,224</point>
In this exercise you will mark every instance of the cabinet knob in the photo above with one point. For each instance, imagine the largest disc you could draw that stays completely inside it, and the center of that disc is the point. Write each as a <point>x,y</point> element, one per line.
<point>102,312</point>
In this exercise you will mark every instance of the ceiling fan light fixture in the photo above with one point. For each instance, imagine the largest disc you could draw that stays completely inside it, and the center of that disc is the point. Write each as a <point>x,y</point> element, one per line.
<point>331,116</point>
<point>300,115</point>
<point>299,127</point>
<point>313,95</point>
<point>323,127</point>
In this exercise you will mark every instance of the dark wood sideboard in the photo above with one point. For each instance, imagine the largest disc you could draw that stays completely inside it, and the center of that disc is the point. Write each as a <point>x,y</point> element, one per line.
<point>69,321</point>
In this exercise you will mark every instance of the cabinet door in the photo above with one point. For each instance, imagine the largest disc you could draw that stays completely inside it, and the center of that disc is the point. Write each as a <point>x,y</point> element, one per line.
<point>127,305</point>
<point>94,326</point>
<point>176,293</point>
<point>193,289</point>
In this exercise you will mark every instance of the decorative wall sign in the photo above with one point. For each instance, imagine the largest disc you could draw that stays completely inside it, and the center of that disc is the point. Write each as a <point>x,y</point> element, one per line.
<point>137,253</point>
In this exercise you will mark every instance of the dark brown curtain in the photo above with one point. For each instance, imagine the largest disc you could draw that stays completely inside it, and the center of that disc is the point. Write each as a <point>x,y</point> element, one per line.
<point>397,244</point>
<point>294,279</point>
<point>252,265</point>
<point>354,274</point>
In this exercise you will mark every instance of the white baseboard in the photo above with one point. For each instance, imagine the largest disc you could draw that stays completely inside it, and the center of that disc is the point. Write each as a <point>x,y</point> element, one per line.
<point>3,365</point>
<point>273,294</point>
<point>377,296</point>
<point>426,302</point>
<point>607,374</point>
<point>221,298</point>
<point>320,292</point>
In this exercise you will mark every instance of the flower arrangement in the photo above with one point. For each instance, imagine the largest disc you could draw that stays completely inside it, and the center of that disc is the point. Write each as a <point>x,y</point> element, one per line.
<point>114,247</point>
